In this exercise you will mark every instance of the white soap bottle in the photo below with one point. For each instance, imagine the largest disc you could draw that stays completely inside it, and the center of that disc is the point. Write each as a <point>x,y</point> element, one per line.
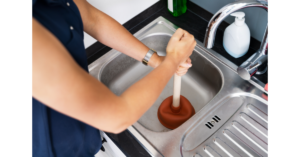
<point>236,38</point>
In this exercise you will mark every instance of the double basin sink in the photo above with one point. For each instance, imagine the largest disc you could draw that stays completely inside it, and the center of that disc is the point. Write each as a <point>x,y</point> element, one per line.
<point>231,115</point>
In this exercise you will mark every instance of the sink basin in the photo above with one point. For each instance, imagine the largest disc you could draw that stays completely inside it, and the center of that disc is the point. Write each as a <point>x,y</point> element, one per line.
<point>201,83</point>
<point>213,87</point>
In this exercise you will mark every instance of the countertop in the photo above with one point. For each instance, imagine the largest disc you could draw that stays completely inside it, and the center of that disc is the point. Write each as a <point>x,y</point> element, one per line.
<point>195,21</point>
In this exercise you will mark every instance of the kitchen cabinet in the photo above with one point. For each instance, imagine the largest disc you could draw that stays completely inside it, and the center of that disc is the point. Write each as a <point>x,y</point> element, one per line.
<point>111,150</point>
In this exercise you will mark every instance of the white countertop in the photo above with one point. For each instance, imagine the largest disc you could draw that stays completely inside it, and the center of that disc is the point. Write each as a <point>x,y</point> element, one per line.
<point>121,10</point>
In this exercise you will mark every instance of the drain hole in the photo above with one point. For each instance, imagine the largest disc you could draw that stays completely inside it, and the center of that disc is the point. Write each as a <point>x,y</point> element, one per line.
<point>217,117</point>
<point>215,120</point>
<point>208,126</point>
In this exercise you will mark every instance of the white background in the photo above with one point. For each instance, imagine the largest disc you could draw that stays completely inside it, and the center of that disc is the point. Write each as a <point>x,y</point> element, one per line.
<point>120,10</point>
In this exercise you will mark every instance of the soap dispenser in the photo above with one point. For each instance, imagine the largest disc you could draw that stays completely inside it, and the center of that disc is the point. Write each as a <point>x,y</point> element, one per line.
<point>177,7</point>
<point>236,38</point>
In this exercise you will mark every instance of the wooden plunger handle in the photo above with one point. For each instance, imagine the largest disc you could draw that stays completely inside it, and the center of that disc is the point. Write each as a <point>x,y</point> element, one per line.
<point>176,90</point>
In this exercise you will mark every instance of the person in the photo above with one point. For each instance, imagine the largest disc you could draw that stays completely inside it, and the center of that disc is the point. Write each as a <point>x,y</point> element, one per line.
<point>69,105</point>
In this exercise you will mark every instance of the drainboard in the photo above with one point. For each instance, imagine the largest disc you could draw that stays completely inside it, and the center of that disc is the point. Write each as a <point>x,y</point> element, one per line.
<point>243,133</point>
<point>225,110</point>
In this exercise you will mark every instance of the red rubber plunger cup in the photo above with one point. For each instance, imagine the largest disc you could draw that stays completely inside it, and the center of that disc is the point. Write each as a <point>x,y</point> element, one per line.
<point>175,109</point>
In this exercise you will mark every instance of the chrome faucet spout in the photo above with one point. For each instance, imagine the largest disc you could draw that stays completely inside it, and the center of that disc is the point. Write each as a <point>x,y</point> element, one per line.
<point>218,17</point>
<point>249,67</point>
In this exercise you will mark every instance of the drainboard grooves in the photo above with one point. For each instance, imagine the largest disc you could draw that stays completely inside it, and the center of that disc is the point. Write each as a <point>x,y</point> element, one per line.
<point>211,152</point>
<point>202,152</point>
<point>258,120</point>
<point>251,140</point>
<point>226,148</point>
<point>254,124</point>
<point>232,146</point>
<point>248,151</point>
<point>219,150</point>
<point>259,113</point>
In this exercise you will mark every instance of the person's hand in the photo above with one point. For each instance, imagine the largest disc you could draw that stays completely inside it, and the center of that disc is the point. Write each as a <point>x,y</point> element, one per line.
<point>180,47</point>
<point>182,68</point>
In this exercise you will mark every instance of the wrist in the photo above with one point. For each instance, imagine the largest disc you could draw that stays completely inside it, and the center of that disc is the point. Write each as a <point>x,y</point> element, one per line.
<point>171,64</point>
<point>173,59</point>
<point>155,60</point>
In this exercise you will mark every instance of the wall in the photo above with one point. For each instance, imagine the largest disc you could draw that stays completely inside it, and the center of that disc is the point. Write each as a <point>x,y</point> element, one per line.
<point>256,18</point>
<point>121,10</point>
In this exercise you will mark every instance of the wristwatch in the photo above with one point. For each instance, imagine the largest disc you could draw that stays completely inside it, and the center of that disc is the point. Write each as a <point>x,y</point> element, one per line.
<point>148,56</point>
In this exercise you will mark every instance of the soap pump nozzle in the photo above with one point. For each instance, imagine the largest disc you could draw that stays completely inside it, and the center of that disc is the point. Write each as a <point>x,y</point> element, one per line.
<point>239,18</point>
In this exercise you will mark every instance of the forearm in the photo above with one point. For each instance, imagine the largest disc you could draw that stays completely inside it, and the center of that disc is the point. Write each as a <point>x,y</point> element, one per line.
<point>141,96</point>
<point>109,32</point>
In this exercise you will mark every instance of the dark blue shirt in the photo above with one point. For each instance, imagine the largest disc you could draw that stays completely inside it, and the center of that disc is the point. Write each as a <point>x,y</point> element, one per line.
<point>55,134</point>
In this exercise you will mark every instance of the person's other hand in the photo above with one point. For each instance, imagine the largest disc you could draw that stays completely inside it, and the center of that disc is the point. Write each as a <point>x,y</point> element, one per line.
<point>181,70</point>
<point>184,67</point>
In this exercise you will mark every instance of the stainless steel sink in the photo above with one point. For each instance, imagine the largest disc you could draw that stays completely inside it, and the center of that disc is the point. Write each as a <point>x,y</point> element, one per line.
<point>202,82</point>
<point>211,85</point>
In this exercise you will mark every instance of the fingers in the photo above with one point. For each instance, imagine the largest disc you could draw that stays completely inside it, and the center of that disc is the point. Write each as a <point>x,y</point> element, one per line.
<point>178,34</point>
<point>183,68</point>
<point>185,35</point>
<point>187,63</point>
<point>181,73</point>
<point>189,60</point>
<point>188,36</point>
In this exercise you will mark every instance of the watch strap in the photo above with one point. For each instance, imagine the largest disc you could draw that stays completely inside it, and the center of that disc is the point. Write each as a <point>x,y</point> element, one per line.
<point>148,56</point>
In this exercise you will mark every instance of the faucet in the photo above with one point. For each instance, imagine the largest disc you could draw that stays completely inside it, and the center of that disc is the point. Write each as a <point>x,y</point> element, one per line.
<point>250,66</point>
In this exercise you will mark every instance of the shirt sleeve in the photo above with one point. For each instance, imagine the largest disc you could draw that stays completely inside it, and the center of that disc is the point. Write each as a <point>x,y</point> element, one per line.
<point>33,2</point>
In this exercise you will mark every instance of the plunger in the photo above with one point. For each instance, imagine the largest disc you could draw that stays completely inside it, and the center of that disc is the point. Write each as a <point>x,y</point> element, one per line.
<point>175,109</point>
